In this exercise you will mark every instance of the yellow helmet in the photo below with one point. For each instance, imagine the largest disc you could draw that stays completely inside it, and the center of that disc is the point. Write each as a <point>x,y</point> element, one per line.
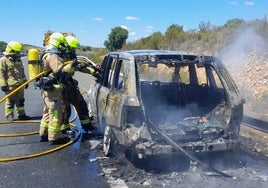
<point>13,47</point>
<point>57,39</point>
<point>72,41</point>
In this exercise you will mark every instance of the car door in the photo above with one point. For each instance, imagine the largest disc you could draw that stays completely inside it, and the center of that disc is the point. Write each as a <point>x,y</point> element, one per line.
<point>104,88</point>
<point>117,94</point>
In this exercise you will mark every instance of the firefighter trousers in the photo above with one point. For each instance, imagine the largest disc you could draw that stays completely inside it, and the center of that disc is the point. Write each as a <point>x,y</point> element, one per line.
<point>52,114</point>
<point>15,102</point>
<point>72,95</point>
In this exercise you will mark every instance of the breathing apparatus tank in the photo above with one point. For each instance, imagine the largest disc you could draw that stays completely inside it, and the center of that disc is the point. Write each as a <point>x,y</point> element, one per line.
<point>33,63</point>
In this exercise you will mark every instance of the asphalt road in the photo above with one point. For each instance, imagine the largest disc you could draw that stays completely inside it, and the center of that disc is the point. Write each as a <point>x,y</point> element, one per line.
<point>67,167</point>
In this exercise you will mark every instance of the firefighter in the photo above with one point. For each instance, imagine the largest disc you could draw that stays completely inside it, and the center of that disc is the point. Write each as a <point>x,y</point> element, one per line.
<point>12,75</point>
<point>71,93</point>
<point>51,89</point>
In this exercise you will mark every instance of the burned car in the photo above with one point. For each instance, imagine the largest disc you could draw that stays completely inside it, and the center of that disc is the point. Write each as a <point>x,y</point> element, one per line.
<point>159,102</point>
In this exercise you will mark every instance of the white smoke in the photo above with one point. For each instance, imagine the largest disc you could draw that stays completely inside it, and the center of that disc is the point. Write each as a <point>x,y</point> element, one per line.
<point>246,59</point>
<point>246,40</point>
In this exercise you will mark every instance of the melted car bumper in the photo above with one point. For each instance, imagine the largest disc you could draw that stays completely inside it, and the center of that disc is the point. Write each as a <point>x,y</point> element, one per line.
<point>150,148</point>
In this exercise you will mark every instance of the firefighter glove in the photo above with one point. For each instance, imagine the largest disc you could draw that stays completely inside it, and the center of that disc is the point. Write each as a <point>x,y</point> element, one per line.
<point>74,63</point>
<point>80,66</point>
<point>4,88</point>
<point>97,68</point>
<point>97,74</point>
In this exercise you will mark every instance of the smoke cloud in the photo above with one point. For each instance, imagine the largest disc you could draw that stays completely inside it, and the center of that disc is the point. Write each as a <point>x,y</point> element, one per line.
<point>246,58</point>
<point>235,55</point>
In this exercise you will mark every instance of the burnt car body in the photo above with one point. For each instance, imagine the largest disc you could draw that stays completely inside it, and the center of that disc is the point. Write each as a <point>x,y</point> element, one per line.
<point>143,94</point>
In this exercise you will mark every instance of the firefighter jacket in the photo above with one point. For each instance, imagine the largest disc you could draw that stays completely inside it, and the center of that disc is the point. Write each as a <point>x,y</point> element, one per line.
<point>11,71</point>
<point>53,62</point>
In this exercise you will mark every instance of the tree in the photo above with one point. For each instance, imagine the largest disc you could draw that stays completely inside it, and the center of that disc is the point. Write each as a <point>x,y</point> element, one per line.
<point>117,38</point>
<point>2,46</point>
<point>174,36</point>
<point>155,41</point>
<point>234,23</point>
<point>204,26</point>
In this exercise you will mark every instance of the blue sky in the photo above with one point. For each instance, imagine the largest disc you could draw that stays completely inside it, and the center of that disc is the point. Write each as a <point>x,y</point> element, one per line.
<point>92,20</point>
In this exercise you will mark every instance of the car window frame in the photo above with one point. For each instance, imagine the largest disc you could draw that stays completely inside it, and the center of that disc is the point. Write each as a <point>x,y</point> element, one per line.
<point>110,60</point>
<point>119,75</point>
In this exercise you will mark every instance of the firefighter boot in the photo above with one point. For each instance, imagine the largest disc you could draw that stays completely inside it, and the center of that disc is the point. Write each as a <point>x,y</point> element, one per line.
<point>88,127</point>
<point>10,117</point>
<point>43,139</point>
<point>24,117</point>
<point>62,140</point>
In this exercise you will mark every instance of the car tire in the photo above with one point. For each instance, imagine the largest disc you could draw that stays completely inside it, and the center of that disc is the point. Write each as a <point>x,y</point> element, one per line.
<point>109,141</point>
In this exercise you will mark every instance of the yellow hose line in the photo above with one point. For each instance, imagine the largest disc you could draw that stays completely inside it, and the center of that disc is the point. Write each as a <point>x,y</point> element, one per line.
<point>84,59</point>
<point>33,121</point>
<point>31,133</point>
<point>22,85</point>
<point>44,152</point>
<point>19,121</point>
<point>19,134</point>
<point>27,82</point>
<point>30,121</point>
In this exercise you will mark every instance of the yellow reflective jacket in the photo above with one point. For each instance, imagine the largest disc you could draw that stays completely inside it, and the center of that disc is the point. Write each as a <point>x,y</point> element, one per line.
<point>11,72</point>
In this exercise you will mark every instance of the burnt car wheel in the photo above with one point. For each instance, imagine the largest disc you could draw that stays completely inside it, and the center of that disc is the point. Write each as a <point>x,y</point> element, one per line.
<point>108,141</point>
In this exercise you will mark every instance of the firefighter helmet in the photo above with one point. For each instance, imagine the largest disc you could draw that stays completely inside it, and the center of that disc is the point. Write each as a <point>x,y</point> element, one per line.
<point>72,41</point>
<point>57,39</point>
<point>13,47</point>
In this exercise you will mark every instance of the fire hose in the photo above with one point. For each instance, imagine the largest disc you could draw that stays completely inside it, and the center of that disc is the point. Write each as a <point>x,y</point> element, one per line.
<point>36,132</point>
<point>30,121</point>
<point>81,59</point>
<point>44,152</point>
<point>23,85</point>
